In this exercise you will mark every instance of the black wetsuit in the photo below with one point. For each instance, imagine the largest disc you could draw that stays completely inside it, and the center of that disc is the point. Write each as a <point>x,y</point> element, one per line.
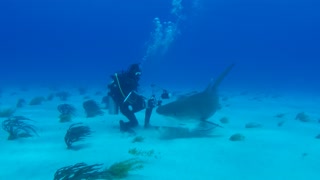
<point>124,83</point>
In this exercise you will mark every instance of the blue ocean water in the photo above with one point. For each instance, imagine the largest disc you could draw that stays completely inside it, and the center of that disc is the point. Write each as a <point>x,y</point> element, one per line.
<point>272,43</point>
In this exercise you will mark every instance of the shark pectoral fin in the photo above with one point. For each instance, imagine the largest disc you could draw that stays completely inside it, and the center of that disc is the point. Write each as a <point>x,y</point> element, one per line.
<point>215,124</point>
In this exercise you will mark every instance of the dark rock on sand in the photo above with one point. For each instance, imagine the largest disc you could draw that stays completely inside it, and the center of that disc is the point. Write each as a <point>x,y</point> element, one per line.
<point>253,125</point>
<point>237,137</point>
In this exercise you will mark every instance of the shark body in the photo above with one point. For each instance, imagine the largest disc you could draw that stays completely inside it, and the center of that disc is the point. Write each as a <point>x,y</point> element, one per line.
<point>199,106</point>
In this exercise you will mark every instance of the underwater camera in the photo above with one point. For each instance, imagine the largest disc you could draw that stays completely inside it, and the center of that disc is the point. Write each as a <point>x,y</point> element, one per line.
<point>153,102</point>
<point>165,94</point>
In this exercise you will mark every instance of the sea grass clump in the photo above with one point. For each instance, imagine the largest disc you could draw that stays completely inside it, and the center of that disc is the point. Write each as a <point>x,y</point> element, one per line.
<point>18,127</point>
<point>86,97</point>
<point>82,171</point>
<point>280,115</point>
<point>50,97</point>
<point>63,95</point>
<point>280,123</point>
<point>75,133</point>
<point>253,125</point>
<point>92,108</point>
<point>82,90</point>
<point>302,117</point>
<point>7,112</point>
<point>138,139</point>
<point>79,171</point>
<point>121,169</point>
<point>20,103</point>
<point>67,111</point>
<point>37,101</point>
<point>237,137</point>
<point>142,153</point>
<point>224,120</point>
<point>98,93</point>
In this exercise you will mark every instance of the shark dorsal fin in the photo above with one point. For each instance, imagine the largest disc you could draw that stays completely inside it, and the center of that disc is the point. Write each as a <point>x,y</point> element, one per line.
<point>213,85</point>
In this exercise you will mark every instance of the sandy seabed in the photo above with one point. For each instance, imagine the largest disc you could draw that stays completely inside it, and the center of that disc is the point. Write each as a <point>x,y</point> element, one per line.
<point>281,148</point>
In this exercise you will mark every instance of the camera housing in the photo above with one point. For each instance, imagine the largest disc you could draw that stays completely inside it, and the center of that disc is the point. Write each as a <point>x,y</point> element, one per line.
<point>165,94</point>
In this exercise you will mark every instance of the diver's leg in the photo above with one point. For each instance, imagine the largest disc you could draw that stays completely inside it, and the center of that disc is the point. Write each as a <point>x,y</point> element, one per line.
<point>133,122</point>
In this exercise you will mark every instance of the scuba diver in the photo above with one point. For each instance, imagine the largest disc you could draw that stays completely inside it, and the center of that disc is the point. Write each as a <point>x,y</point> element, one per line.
<point>123,94</point>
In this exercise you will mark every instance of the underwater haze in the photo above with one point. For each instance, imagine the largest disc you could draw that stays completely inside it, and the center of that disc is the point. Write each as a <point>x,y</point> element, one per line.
<point>274,44</point>
<point>229,89</point>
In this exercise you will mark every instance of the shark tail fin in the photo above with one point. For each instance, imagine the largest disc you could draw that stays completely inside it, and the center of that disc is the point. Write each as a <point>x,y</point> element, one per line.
<point>220,78</point>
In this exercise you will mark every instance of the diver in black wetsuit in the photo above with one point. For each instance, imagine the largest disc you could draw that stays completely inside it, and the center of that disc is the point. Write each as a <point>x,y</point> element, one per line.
<point>123,91</point>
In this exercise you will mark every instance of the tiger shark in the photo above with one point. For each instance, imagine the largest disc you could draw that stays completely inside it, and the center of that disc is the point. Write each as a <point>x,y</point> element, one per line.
<point>198,106</point>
